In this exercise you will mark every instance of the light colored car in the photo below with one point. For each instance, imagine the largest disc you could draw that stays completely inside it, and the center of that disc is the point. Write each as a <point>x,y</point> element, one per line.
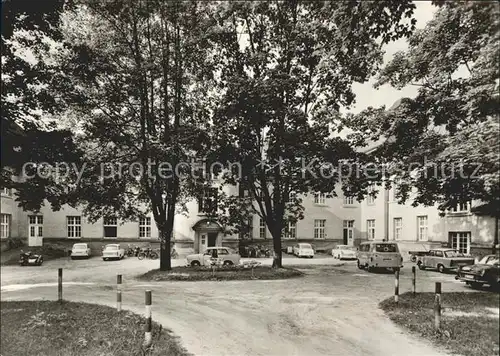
<point>444,259</point>
<point>227,255</point>
<point>344,252</point>
<point>80,250</point>
<point>303,250</point>
<point>113,252</point>
<point>374,255</point>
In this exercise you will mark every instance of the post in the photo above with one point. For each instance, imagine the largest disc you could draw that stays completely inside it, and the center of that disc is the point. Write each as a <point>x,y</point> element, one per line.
<point>59,285</point>
<point>118,292</point>
<point>437,307</point>
<point>396,286</point>
<point>414,280</point>
<point>147,333</point>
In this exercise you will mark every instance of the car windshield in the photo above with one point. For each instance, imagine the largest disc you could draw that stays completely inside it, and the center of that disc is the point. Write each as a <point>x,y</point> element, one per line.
<point>453,254</point>
<point>305,246</point>
<point>386,248</point>
<point>111,247</point>
<point>79,247</point>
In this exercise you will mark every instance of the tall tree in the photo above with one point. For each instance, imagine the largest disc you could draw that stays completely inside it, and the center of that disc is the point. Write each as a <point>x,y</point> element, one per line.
<point>142,73</point>
<point>450,129</point>
<point>288,66</point>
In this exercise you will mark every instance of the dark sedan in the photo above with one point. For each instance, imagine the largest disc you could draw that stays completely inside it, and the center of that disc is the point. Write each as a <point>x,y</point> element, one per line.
<point>487,271</point>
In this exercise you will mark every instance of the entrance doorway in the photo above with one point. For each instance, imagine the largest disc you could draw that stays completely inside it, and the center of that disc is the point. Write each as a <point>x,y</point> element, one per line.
<point>348,232</point>
<point>212,239</point>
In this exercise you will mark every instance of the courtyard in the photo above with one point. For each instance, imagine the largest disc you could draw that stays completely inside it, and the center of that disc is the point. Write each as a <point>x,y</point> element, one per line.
<point>331,310</point>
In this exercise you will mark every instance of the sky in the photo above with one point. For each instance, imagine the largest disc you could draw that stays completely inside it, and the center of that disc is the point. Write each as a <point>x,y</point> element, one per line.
<point>366,95</point>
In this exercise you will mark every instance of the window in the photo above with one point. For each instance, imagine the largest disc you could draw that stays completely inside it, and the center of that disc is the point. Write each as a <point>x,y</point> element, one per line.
<point>461,208</point>
<point>398,227</point>
<point>319,229</point>
<point>262,229</point>
<point>319,198</point>
<point>207,203</point>
<point>5,226</point>
<point>74,224</point>
<point>145,227</point>
<point>35,225</point>
<point>246,229</point>
<point>370,229</point>
<point>386,248</point>
<point>7,191</point>
<point>348,231</point>
<point>460,241</point>
<point>439,254</point>
<point>291,230</point>
<point>422,228</point>
<point>223,251</point>
<point>370,199</point>
<point>110,227</point>
<point>348,200</point>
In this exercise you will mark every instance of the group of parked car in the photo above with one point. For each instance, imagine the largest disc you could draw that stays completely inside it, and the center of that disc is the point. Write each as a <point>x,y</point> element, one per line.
<point>117,252</point>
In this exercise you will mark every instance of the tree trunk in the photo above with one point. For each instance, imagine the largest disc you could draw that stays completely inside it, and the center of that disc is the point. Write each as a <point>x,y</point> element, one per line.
<point>165,258</point>
<point>277,257</point>
<point>495,238</point>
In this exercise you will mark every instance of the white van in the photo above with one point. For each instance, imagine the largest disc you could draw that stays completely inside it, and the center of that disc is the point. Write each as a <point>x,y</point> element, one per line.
<point>379,254</point>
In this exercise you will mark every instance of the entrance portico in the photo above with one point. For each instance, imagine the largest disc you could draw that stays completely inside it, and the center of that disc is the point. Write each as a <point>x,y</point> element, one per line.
<point>207,234</point>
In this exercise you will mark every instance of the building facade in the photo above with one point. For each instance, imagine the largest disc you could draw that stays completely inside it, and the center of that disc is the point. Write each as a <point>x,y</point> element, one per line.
<point>327,222</point>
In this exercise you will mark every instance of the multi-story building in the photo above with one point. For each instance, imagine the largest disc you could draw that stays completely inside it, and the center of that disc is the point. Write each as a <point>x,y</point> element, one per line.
<point>327,222</point>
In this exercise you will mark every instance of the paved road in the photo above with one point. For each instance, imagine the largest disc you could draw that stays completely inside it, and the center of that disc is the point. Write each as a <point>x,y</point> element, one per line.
<point>331,311</point>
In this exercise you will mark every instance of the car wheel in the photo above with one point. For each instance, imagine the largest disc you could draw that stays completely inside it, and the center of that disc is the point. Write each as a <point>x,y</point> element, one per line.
<point>228,263</point>
<point>360,266</point>
<point>195,264</point>
<point>413,258</point>
<point>370,268</point>
<point>441,269</point>
<point>420,265</point>
<point>72,257</point>
<point>104,259</point>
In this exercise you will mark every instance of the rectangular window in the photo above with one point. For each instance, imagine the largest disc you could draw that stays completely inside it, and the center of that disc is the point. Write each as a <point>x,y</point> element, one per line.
<point>35,225</point>
<point>5,226</point>
<point>422,228</point>
<point>291,230</point>
<point>145,227</point>
<point>319,229</point>
<point>461,208</point>
<point>398,227</point>
<point>262,229</point>
<point>110,227</point>
<point>319,198</point>
<point>348,200</point>
<point>7,191</point>
<point>460,241</point>
<point>207,203</point>
<point>370,199</point>
<point>246,229</point>
<point>370,229</point>
<point>74,224</point>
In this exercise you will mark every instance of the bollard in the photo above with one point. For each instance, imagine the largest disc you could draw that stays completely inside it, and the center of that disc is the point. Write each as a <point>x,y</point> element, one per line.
<point>396,286</point>
<point>414,280</point>
<point>59,285</point>
<point>118,292</point>
<point>437,307</point>
<point>147,334</point>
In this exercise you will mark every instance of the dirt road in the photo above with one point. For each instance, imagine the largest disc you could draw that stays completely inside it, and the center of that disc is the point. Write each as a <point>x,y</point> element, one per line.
<point>331,311</point>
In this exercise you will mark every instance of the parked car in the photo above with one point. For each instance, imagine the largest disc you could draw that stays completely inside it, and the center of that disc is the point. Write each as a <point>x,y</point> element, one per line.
<point>303,250</point>
<point>229,257</point>
<point>344,252</point>
<point>487,271</point>
<point>113,252</point>
<point>379,254</point>
<point>80,250</point>
<point>444,259</point>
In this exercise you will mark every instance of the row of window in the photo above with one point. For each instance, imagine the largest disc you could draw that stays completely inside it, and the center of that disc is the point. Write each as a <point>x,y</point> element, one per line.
<point>73,226</point>
<point>422,228</point>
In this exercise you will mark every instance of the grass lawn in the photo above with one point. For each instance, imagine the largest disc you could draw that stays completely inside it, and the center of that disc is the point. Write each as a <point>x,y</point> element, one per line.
<point>469,321</point>
<point>48,328</point>
<point>221,273</point>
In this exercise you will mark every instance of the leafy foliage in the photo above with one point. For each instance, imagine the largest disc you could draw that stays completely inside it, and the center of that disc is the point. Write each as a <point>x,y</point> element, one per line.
<point>442,145</point>
<point>286,69</point>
